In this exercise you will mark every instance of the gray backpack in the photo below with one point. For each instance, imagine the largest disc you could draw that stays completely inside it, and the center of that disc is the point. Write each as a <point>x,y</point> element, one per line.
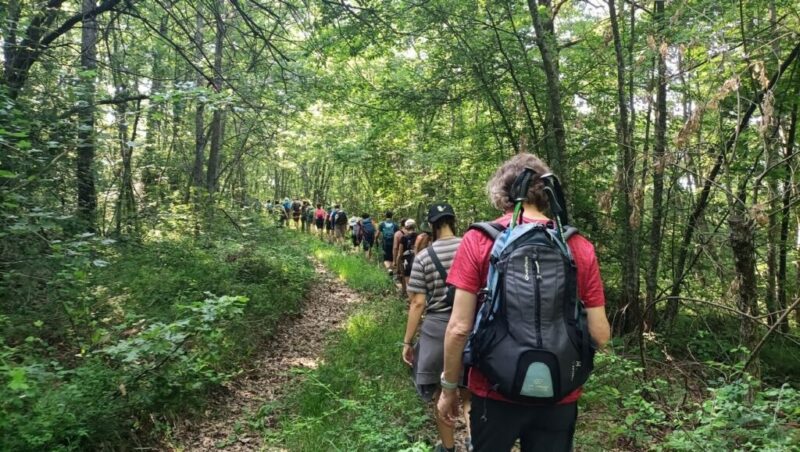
<point>531,337</point>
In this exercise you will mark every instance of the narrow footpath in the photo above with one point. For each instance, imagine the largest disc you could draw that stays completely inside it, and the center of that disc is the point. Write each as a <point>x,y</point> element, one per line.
<point>298,342</point>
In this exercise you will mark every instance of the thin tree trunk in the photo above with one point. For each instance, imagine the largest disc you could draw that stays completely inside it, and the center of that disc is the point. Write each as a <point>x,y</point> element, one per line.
<point>546,42</point>
<point>626,180</point>
<point>742,242</point>
<point>659,150</point>
<point>87,196</point>
<point>199,128</point>
<point>785,216</point>
<point>218,119</point>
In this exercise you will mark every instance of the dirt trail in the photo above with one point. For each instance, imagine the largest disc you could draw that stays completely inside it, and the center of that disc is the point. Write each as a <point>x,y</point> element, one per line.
<point>298,342</point>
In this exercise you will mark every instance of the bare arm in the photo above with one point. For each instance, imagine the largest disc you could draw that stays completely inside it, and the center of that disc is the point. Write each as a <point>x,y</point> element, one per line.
<point>599,328</point>
<point>414,316</point>
<point>458,329</point>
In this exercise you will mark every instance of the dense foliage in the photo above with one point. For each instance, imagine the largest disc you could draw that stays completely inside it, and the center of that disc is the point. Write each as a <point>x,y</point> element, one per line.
<point>140,139</point>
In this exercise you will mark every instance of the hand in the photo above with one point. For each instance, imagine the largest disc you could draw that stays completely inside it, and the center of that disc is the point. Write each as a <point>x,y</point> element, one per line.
<point>408,354</point>
<point>448,407</point>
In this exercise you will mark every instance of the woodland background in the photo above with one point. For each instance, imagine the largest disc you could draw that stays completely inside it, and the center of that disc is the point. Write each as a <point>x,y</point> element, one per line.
<point>140,139</point>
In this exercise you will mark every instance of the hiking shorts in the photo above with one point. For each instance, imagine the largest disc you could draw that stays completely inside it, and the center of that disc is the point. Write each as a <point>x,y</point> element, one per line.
<point>366,242</point>
<point>338,231</point>
<point>497,425</point>
<point>320,222</point>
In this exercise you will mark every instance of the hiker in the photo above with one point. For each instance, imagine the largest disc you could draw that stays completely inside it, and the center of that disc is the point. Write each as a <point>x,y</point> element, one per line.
<point>306,216</point>
<point>423,240</point>
<point>329,224</point>
<point>297,212</point>
<point>354,225</point>
<point>397,271</point>
<point>286,212</point>
<point>534,410</point>
<point>319,219</point>
<point>431,297</point>
<point>339,224</point>
<point>405,251</point>
<point>386,231</point>
<point>367,234</point>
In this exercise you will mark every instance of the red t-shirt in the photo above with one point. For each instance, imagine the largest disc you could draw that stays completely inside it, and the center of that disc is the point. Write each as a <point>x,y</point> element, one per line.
<point>471,267</point>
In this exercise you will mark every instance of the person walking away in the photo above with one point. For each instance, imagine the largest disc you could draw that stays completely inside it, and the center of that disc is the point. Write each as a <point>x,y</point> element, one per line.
<point>367,234</point>
<point>329,224</point>
<point>431,296</point>
<point>386,231</point>
<point>297,212</point>
<point>286,212</point>
<point>319,219</point>
<point>398,236</point>
<point>423,240</point>
<point>339,225</point>
<point>405,251</point>
<point>354,225</point>
<point>525,386</point>
<point>305,214</point>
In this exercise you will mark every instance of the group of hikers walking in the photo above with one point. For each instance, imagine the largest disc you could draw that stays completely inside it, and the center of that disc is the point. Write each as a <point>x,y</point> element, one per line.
<point>503,322</point>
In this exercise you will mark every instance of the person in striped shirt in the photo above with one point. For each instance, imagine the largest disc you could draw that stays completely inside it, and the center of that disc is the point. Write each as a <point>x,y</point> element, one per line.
<point>431,296</point>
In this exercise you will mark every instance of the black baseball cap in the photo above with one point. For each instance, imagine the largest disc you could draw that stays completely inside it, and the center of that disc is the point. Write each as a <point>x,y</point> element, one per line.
<point>440,210</point>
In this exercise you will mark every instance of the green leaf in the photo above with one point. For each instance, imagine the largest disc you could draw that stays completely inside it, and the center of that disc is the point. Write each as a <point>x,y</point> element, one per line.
<point>18,379</point>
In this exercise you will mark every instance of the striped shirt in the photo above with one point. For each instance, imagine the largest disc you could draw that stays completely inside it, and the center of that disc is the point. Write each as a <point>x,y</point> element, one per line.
<point>426,279</point>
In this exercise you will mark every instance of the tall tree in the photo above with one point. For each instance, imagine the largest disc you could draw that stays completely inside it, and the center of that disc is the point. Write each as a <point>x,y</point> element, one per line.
<point>218,118</point>
<point>87,198</point>
<point>542,14</point>
<point>626,187</point>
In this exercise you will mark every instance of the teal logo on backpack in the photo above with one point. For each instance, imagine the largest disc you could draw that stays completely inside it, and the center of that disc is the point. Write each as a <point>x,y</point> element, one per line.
<point>538,381</point>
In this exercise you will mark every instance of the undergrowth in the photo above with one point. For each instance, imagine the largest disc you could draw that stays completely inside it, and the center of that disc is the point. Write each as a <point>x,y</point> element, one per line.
<point>143,330</point>
<point>360,397</point>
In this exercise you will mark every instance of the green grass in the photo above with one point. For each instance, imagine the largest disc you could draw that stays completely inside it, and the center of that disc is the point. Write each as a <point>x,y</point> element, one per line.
<point>361,397</point>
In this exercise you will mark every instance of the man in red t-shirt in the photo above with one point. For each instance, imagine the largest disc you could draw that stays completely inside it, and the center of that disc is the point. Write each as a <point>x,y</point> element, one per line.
<point>496,421</point>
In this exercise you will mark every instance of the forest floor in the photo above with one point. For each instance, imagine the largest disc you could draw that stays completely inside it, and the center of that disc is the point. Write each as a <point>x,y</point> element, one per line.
<point>297,343</point>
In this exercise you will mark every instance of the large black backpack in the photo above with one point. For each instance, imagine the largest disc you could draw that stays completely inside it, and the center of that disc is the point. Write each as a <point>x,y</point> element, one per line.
<point>531,337</point>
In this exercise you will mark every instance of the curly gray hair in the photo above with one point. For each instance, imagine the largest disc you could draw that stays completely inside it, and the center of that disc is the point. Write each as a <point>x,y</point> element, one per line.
<point>499,186</point>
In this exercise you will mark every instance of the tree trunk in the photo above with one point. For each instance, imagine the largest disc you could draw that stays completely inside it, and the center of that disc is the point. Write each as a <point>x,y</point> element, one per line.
<point>626,187</point>
<point>548,48</point>
<point>659,149</point>
<point>218,119</point>
<point>783,245</point>
<point>87,196</point>
<point>199,128</point>
<point>742,241</point>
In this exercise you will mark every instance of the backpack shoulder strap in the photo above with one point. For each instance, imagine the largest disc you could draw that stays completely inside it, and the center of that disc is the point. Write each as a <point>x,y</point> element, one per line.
<point>569,231</point>
<point>493,230</point>
<point>437,263</point>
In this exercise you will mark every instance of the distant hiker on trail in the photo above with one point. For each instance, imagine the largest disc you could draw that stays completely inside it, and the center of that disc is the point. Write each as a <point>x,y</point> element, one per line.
<point>398,271</point>
<point>339,224</point>
<point>286,212</point>
<point>269,207</point>
<point>354,225</point>
<point>431,297</point>
<point>405,251</point>
<point>297,212</point>
<point>386,231</point>
<point>526,383</point>
<point>306,216</point>
<point>423,240</point>
<point>319,219</point>
<point>329,224</point>
<point>367,234</point>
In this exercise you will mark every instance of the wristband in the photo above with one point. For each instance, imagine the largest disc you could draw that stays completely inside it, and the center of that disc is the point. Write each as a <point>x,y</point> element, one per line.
<point>446,384</point>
